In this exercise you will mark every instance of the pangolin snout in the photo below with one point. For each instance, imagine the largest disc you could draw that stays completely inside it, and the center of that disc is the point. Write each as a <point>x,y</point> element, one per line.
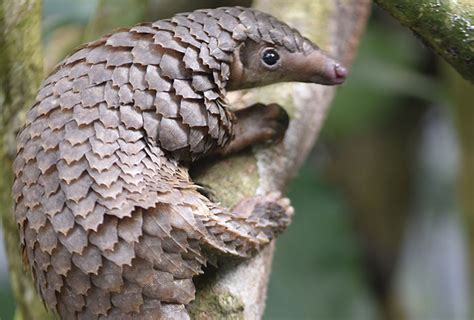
<point>340,73</point>
<point>319,67</point>
<point>331,73</point>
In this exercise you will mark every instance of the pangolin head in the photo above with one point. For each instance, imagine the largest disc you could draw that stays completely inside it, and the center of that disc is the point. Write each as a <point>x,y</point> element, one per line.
<point>270,51</point>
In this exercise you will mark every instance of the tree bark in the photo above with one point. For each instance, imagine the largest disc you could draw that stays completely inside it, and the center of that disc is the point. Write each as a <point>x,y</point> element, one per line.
<point>20,74</point>
<point>447,26</point>
<point>238,290</point>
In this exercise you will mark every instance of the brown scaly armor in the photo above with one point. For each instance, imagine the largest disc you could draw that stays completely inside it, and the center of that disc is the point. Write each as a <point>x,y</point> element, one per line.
<point>110,222</point>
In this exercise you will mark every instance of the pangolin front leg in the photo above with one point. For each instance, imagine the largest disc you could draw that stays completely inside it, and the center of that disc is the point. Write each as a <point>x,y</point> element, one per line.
<point>110,222</point>
<point>244,229</point>
<point>254,221</point>
<point>240,231</point>
<point>258,123</point>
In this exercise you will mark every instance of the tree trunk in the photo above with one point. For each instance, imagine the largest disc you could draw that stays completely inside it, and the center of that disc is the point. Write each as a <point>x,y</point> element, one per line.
<point>20,74</point>
<point>238,290</point>
<point>235,290</point>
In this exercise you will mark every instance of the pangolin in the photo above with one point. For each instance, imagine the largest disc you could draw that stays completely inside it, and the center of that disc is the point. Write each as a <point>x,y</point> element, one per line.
<point>110,222</point>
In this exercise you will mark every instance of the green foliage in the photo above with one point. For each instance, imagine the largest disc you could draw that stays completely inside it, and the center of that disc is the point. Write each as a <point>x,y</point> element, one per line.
<point>60,13</point>
<point>385,69</point>
<point>7,302</point>
<point>316,270</point>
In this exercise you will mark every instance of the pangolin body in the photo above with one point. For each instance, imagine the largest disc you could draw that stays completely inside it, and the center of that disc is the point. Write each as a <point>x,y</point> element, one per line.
<point>110,222</point>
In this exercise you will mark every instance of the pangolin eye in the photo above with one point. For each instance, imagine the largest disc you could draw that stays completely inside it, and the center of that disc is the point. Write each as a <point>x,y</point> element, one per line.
<point>270,57</point>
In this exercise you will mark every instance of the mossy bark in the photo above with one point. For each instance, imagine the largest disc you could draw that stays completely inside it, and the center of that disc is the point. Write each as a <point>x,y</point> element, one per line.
<point>20,75</point>
<point>447,26</point>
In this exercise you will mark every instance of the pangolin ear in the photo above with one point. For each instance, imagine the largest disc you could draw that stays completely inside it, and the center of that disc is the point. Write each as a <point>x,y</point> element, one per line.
<point>240,53</point>
<point>237,68</point>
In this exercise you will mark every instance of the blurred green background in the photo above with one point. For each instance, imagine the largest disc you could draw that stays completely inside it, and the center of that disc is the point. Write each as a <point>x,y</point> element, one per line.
<point>380,230</point>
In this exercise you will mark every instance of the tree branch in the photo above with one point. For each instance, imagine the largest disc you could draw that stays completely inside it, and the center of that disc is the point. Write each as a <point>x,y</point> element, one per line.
<point>447,26</point>
<point>238,290</point>
<point>20,74</point>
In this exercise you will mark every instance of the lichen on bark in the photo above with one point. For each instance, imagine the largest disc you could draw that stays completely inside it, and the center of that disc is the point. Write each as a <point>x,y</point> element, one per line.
<point>217,305</point>
<point>20,75</point>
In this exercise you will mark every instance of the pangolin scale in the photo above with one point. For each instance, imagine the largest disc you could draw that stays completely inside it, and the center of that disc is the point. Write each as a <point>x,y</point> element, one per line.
<point>110,222</point>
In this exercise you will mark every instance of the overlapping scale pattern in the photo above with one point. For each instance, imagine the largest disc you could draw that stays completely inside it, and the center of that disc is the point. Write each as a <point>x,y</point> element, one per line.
<point>109,220</point>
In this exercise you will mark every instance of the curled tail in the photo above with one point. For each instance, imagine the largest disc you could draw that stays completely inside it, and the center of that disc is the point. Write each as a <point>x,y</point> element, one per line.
<point>126,241</point>
<point>99,225</point>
